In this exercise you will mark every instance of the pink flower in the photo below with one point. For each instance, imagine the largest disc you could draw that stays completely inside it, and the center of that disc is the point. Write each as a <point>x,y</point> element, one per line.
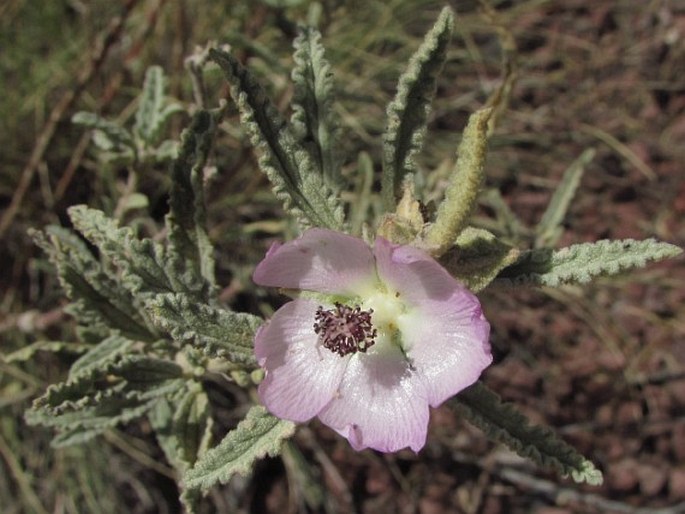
<point>375,337</point>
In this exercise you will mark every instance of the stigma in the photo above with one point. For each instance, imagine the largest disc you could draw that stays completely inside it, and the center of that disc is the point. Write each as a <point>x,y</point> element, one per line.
<point>344,329</point>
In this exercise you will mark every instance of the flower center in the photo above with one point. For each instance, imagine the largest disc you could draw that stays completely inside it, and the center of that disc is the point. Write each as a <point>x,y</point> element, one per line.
<point>344,329</point>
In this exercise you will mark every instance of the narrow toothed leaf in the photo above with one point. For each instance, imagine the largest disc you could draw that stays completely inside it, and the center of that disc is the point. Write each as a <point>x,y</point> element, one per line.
<point>108,135</point>
<point>154,109</point>
<point>286,163</point>
<point>313,119</point>
<point>464,186</point>
<point>502,423</point>
<point>407,114</point>
<point>258,435</point>
<point>216,332</point>
<point>581,263</point>
<point>190,247</point>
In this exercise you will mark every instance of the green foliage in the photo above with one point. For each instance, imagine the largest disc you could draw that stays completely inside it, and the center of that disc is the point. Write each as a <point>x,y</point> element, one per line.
<point>142,143</point>
<point>219,333</point>
<point>581,263</point>
<point>465,184</point>
<point>477,258</point>
<point>154,110</point>
<point>183,425</point>
<point>283,159</point>
<point>548,230</point>
<point>258,435</point>
<point>407,114</point>
<point>314,122</point>
<point>502,423</point>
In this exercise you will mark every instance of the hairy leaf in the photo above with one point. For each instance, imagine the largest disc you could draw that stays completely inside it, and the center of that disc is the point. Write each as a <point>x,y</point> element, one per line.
<point>28,352</point>
<point>465,184</point>
<point>217,332</point>
<point>109,136</point>
<point>101,355</point>
<point>407,114</point>
<point>98,301</point>
<point>285,162</point>
<point>142,262</point>
<point>502,423</point>
<point>154,110</point>
<point>313,120</point>
<point>581,263</point>
<point>183,426</point>
<point>477,258</point>
<point>549,230</point>
<point>190,247</point>
<point>258,435</point>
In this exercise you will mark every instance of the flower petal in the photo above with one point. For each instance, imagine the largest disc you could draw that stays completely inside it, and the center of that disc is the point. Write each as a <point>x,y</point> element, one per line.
<point>320,260</point>
<point>380,404</point>
<point>301,376</point>
<point>447,343</point>
<point>443,331</point>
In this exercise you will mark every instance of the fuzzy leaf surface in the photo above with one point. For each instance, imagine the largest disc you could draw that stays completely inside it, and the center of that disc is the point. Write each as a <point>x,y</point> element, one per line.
<point>99,302</point>
<point>183,425</point>
<point>217,332</point>
<point>464,186</point>
<point>313,120</point>
<point>258,435</point>
<point>283,159</point>
<point>153,110</point>
<point>407,114</point>
<point>583,262</point>
<point>502,423</point>
<point>190,248</point>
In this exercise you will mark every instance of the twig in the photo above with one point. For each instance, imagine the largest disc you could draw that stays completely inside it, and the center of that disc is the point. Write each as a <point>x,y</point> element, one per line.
<point>67,100</point>
<point>564,495</point>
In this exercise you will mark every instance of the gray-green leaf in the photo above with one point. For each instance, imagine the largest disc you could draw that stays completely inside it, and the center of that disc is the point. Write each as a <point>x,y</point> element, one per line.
<point>313,120</point>
<point>285,162</point>
<point>154,109</point>
<point>502,423</point>
<point>407,114</point>
<point>464,186</point>
<point>217,332</point>
<point>258,435</point>
<point>581,263</point>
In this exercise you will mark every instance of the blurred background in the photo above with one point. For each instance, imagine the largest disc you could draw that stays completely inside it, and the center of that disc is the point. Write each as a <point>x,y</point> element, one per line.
<point>604,365</point>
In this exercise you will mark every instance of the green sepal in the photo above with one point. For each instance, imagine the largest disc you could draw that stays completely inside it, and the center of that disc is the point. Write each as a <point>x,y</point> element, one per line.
<point>283,159</point>
<point>258,435</point>
<point>583,262</point>
<point>463,188</point>
<point>407,114</point>
<point>313,120</point>
<point>502,423</point>
<point>477,257</point>
<point>218,333</point>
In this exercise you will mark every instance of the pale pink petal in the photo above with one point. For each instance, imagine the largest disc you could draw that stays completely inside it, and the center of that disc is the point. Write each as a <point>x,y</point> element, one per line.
<point>447,342</point>
<point>320,260</point>
<point>412,273</point>
<point>444,331</point>
<point>301,376</point>
<point>380,404</point>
